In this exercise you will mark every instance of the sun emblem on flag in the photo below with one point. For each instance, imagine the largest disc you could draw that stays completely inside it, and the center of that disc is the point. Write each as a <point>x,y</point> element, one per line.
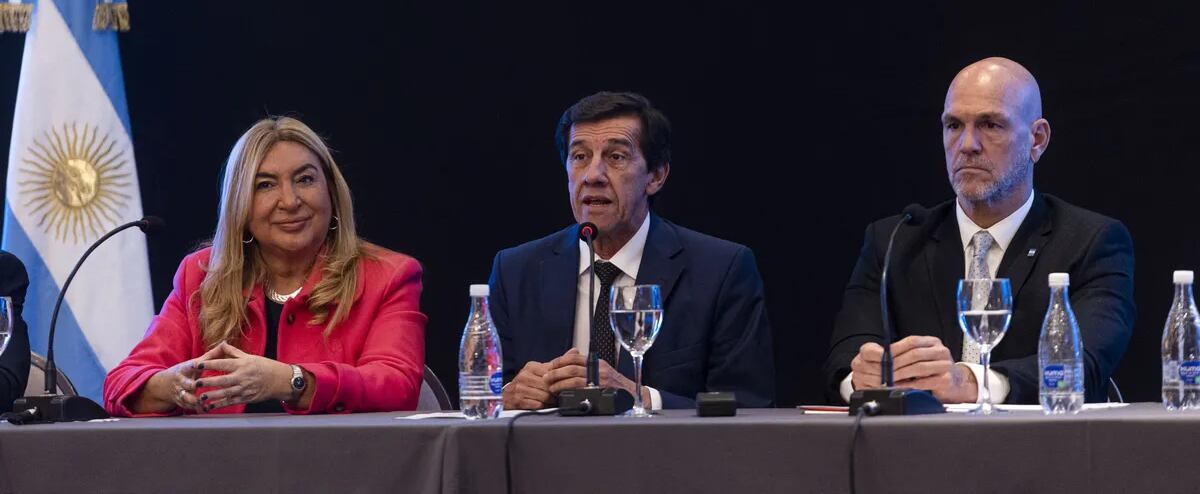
<point>73,179</point>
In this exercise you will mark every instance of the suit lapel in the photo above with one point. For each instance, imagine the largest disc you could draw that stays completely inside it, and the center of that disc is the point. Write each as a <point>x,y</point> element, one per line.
<point>559,280</point>
<point>944,257</point>
<point>660,263</point>
<point>660,266</point>
<point>1030,237</point>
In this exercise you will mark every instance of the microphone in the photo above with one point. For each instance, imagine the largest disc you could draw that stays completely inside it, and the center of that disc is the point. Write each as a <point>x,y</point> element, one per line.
<point>53,407</point>
<point>890,400</point>
<point>151,224</point>
<point>587,231</point>
<point>913,213</point>
<point>591,399</point>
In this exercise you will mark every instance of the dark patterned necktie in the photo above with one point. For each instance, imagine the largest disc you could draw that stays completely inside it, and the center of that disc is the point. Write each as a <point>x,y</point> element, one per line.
<point>603,341</point>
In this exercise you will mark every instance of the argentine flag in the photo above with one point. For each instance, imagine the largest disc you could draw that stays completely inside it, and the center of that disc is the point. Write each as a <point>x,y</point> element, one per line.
<point>71,177</point>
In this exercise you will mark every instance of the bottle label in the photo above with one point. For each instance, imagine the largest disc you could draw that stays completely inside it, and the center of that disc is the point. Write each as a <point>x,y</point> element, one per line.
<point>497,382</point>
<point>1056,376</point>
<point>1189,372</point>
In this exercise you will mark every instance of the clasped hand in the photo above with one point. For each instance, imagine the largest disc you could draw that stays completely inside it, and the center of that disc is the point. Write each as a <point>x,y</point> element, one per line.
<point>537,384</point>
<point>247,379</point>
<point>920,362</point>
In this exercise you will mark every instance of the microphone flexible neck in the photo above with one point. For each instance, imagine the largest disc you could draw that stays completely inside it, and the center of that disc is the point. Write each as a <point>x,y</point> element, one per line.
<point>51,369</point>
<point>886,366</point>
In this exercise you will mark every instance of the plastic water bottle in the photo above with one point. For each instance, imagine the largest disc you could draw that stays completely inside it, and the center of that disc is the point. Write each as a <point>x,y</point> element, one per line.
<point>1181,349</point>
<point>1060,353</point>
<point>480,376</point>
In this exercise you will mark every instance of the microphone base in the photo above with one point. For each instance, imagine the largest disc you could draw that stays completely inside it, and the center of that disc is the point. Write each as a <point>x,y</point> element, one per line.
<point>602,401</point>
<point>895,401</point>
<point>45,409</point>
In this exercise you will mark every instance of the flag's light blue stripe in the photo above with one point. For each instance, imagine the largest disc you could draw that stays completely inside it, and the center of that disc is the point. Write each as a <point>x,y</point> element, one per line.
<point>72,353</point>
<point>100,49</point>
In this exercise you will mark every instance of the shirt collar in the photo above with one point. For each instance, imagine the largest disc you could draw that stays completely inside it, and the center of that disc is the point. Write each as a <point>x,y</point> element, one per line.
<point>1003,231</point>
<point>628,259</point>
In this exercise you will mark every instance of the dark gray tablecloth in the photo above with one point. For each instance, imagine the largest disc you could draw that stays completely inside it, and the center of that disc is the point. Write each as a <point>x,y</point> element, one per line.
<point>1140,448</point>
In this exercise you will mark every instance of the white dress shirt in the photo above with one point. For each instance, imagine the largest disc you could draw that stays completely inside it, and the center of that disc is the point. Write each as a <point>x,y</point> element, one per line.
<point>1003,233</point>
<point>628,259</point>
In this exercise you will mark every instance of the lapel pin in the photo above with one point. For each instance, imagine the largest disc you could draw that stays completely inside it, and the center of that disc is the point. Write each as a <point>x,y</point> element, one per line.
<point>1031,253</point>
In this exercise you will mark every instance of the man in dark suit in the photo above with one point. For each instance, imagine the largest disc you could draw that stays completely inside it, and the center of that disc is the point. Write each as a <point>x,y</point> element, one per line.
<point>714,337</point>
<point>996,227</point>
<point>14,362</point>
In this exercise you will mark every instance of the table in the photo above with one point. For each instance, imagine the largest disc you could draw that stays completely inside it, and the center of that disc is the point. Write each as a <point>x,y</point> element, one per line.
<point>1140,448</point>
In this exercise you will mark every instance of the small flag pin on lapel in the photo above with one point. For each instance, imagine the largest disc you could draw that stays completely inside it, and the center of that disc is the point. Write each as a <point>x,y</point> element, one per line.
<point>1031,253</point>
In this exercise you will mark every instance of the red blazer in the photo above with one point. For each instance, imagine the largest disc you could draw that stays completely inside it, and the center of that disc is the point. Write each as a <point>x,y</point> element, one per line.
<point>373,360</point>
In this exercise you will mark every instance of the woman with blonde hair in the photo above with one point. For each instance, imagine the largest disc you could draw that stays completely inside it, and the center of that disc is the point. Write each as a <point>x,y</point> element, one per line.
<point>288,309</point>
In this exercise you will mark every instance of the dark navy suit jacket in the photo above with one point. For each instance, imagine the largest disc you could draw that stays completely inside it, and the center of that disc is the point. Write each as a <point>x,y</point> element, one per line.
<point>714,336</point>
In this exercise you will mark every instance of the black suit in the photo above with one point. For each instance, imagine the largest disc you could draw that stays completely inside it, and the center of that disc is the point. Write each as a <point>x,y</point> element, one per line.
<point>714,335</point>
<point>928,261</point>
<point>14,362</point>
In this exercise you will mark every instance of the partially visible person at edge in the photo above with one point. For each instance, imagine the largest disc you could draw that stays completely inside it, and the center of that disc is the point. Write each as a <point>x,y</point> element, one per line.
<point>14,362</point>
<point>288,310</point>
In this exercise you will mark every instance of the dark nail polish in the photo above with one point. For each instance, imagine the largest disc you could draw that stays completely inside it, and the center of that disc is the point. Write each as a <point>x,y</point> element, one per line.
<point>204,397</point>
<point>199,384</point>
<point>200,366</point>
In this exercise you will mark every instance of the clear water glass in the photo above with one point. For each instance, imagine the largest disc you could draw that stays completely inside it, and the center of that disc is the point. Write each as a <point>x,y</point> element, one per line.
<point>635,313</point>
<point>984,311</point>
<point>6,322</point>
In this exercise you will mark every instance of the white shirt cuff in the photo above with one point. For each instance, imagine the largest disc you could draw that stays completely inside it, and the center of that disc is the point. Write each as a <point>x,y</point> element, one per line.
<point>997,382</point>
<point>655,398</point>
<point>847,387</point>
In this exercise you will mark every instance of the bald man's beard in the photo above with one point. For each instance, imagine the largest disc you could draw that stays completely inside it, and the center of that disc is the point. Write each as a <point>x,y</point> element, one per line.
<point>996,190</point>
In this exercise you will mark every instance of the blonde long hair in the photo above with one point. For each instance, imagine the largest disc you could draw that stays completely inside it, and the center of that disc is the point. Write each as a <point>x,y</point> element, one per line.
<point>235,267</point>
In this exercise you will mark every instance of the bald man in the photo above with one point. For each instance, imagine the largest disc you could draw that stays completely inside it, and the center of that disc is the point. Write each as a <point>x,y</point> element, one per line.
<point>997,226</point>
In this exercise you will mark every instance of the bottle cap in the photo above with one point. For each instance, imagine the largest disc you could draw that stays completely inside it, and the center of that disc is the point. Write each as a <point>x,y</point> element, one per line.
<point>1060,279</point>
<point>480,290</point>
<point>1184,277</point>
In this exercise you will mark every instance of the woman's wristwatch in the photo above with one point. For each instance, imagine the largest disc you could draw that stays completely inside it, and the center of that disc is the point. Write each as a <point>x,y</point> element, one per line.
<point>297,382</point>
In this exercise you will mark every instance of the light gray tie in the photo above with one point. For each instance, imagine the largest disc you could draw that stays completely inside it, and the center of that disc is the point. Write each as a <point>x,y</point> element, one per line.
<point>980,244</point>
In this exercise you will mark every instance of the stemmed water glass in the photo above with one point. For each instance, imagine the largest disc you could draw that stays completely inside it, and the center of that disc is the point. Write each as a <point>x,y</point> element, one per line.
<point>6,322</point>
<point>635,313</point>
<point>984,311</point>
